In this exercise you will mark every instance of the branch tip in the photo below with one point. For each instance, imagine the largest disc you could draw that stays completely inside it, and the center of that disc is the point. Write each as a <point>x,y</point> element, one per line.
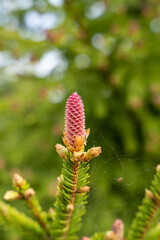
<point>149,194</point>
<point>61,150</point>
<point>92,153</point>
<point>11,195</point>
<point>17,180</point>
<point>29,193</point>
<point>78,156</point>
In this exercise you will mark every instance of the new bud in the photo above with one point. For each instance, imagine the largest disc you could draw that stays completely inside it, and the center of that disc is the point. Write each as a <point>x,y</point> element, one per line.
<point>11,195</point>
<point>61,150</point>
<point>149,194</point>
<point>51,214</point>
<point>70,207</point>
<point>29,193</point>
<point>92,153</point>
<point>84,189</point>
<point>78,156</point>
<point>17,180</point>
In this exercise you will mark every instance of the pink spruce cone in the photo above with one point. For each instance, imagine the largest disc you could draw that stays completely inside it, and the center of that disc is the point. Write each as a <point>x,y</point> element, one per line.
<point>74,119</point>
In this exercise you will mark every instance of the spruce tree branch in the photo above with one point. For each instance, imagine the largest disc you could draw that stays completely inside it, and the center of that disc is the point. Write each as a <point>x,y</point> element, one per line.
<point>72,184</point>
<point>72,193</point>
<point>147,210</point>
<point>9,215</point>
<point>69,206</point>
<point>28,194</point>
<point>41,216</point>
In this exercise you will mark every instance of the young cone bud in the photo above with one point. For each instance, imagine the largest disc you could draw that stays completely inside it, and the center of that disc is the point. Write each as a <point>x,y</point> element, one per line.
<point>70,207</point>
<point>84,189</point>
<point>11,195</point>
<point>51,211</point>
<point>29,193</point>
<point>78,156</point>
<point>17,180</point>
<point>92,153</point>
<point>51,214</point>
<point>74,122</point>
<point>149,194</point>
<point>61,150</point>
<point>118,229</point>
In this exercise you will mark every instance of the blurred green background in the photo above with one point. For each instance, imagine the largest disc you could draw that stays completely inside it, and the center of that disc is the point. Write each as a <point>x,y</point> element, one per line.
<point>107,51</point>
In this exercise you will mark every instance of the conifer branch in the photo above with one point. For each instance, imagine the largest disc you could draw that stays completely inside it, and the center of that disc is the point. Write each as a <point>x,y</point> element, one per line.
<point>72,188</point>
<point>69,206</point>
<point>28,194</point>
<point>116,233</point>
<point>147,210</point>
<point>9,215</point>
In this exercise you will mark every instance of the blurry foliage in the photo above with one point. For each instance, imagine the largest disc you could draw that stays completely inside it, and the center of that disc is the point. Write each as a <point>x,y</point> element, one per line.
<point>107,51</point>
